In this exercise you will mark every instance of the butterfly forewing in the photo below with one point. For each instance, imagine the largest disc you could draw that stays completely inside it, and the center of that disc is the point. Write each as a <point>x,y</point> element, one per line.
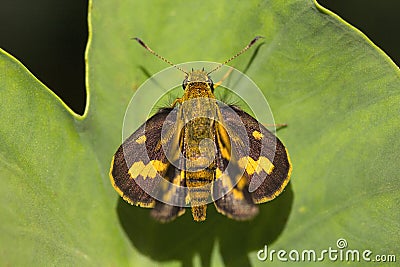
<point>140,158</point>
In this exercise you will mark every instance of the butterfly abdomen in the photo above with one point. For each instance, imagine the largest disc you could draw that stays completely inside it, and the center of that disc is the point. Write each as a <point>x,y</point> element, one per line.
<point>199,154</point>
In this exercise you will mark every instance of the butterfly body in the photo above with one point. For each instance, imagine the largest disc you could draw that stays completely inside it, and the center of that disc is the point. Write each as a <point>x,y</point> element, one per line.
<point>199,112</point>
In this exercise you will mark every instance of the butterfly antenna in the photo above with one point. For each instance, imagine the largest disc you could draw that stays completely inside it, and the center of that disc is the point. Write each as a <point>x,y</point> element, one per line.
<point>157,55</point>
<point>239,53</point>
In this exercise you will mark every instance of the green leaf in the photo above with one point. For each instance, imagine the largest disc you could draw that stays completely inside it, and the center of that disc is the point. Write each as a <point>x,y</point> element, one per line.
<point>337,91</point>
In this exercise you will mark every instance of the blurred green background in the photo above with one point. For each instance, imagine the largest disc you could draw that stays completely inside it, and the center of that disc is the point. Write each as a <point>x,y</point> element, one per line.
<point>49,37</point>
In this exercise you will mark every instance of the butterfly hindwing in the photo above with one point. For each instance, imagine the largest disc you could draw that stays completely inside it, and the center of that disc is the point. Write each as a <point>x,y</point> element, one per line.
<point>168,193</point>
<point>230,193</point>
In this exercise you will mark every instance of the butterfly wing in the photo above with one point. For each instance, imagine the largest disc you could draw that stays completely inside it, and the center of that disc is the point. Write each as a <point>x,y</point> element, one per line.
<point>265,162</point>
<point>137,161</point>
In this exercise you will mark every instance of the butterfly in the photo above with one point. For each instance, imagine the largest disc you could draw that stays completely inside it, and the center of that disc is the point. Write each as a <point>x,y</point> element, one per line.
<point>198,151</point>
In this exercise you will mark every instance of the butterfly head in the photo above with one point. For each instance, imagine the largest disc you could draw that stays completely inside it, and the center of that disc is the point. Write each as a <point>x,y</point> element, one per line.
<point>197,77</point>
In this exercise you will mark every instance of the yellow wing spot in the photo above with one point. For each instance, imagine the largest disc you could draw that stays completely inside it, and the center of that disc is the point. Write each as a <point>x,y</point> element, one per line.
<point>257,135</point>
<point>223,142</point>
<point>147,171</point>
<point>241,183</point>
<point>237,194</point>
<point>266,165</point>
<point>225,153</point>
<point>252,166</point>
<point>136,169</point>
<point>218,173</point>
<point>141,139</point>
<point>283,185</point>
<point>238,191</point>
<point>159,165</point>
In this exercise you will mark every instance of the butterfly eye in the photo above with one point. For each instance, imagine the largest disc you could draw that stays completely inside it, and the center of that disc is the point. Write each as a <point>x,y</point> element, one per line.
<point>210,83</point>
<point>184,83</point>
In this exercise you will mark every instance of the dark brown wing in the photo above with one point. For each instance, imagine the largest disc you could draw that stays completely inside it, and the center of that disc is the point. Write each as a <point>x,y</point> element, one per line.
<point>137,161</point>
<point>265,161</point>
